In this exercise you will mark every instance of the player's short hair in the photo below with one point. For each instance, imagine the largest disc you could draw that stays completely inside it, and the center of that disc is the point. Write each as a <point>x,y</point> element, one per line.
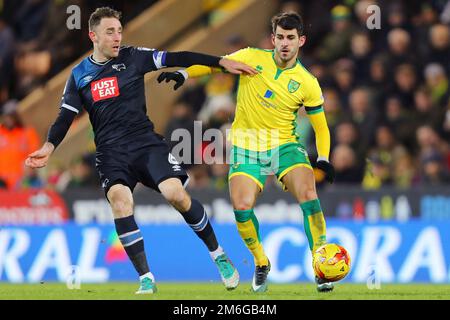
<point>100,13</point>
<point>288,21</point>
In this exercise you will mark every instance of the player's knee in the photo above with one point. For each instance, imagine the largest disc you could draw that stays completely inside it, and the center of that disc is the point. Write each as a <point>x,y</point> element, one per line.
<point>176,196</point>
<point>121,201</point>
<point>307,194</point>
<point>243,203</point>
<point>122,208</point>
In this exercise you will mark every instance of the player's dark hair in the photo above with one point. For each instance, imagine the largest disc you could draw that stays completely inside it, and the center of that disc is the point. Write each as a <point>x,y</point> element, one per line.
<point>288,21</point>
<point>100,13</point>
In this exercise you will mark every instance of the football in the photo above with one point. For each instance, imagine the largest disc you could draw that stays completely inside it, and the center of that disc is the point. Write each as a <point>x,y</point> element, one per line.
<point>331,262</point>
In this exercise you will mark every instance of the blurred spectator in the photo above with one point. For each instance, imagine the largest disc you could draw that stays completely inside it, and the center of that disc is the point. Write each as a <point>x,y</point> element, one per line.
<point>396,15</point>
<point>346,165</point>
<point>336,43</point>
<point>363,114</point>
<point>405,78</point>
<point>379,78</point>
<point>194,93</point>
<point>333,109</point>
<point>433,170</point>
<point>429,141</point>
<point>343,74</point>
<point>219,176</point>
<point>57,177</point>
<point>423,22</point>
<point>426,112</point>
<point>383,158</point>
<point>16,142</point>
<point>377,174</point>
<point>320,71</point>
<point>199,177</point>
<point>386,145</point>
<point>399,120</point>
<point>437,82</point>
<point>82,173</point>
<point>347,134</point>
<point>219,106</point>
<point>404,171</point>
<point>439,48</point>
<point>182,118</point>
<point>31,179</point>
<point>361,56</point>
<point>361,12</point>
<point>399,42</point>
<point>377,36</point>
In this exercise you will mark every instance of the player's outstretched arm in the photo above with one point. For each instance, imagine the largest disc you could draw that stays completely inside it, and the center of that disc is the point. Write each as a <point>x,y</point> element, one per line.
<point>205,65</point>
<point>180,76</point>
<point>187,59</point>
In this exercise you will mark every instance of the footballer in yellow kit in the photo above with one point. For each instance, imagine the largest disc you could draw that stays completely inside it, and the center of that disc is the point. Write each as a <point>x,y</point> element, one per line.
<point>265,141</point>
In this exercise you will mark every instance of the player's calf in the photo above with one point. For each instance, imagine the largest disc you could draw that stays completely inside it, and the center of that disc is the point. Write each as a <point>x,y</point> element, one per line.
<point>131,238</point>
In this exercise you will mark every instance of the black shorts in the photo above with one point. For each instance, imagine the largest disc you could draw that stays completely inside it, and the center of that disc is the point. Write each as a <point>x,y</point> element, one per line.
<point>136,162</point>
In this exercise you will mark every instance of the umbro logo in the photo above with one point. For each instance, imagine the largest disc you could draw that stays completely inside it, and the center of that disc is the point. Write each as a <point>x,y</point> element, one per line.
<point>174,162</point>
<point>87,79</point>
<point>105,183</point>
<point>118,67</point>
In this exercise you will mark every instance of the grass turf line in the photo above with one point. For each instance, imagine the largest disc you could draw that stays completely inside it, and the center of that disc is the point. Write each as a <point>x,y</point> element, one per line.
<point>216,291</point>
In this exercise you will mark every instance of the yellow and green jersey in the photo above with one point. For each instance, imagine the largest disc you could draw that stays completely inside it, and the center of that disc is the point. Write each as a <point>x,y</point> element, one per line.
<point>267,103</point>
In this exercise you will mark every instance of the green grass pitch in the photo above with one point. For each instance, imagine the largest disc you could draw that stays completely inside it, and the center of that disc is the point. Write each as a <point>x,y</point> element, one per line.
<point>216,291</point>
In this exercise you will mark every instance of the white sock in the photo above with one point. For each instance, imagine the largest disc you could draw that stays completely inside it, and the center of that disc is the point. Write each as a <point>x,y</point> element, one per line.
<point>147,275</point>
<point>214,254</point>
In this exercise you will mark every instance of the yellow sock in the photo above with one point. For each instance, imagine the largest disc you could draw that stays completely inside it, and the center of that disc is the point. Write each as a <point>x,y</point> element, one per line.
<point>314,222</point>
<point>248,228</point>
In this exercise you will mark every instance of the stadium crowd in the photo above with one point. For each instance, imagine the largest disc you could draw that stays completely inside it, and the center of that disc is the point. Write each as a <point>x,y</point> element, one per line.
<point>386,90</point>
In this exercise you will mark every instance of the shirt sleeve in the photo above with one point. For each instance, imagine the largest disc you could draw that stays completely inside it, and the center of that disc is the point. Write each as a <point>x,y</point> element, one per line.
<point>314,96</point>
<point>147,60</point>
<point>71,99</point>
<point>322,134</point>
